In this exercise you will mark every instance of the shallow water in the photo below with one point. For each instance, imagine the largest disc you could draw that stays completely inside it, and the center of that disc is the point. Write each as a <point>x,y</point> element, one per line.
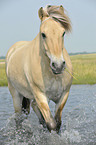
<point>78,121</point>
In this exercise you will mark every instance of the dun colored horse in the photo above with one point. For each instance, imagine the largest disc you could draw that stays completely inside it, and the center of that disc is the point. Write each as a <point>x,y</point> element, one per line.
<point>40,70</point>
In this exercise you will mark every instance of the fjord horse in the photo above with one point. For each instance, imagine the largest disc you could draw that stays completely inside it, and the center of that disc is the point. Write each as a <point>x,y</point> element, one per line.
<point>36,70</point>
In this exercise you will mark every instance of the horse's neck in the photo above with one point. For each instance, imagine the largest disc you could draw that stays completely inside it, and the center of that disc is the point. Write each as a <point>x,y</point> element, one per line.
<point>37,51</point>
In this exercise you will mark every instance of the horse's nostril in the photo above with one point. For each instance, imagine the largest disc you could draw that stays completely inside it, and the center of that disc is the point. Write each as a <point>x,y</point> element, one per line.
<point>63,62</point>
<point>57,68</point>
<point>63,65</point>
<point>53,64</point>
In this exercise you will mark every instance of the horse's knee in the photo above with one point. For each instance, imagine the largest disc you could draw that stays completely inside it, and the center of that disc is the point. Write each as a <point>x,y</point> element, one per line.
<point>51,125</point>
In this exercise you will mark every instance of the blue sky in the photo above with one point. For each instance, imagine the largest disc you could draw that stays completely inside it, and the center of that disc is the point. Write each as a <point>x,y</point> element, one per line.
<point>19,21</point>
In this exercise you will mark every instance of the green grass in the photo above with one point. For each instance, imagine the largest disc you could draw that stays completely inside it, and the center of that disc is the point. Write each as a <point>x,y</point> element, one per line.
<point>3,79</point>
<point>2,60</point>
<point>84,68</point>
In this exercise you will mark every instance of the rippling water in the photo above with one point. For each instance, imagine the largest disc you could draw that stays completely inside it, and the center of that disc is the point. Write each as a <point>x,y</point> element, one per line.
<point>78,121</point>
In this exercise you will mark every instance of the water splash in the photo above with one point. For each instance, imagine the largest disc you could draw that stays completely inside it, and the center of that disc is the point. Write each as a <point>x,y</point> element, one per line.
<point>33,133</point>
<point>78,122</point>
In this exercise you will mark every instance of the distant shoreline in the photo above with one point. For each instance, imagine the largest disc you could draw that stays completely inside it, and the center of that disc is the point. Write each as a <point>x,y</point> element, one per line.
<point>2,62</point>
<point>73,53</point>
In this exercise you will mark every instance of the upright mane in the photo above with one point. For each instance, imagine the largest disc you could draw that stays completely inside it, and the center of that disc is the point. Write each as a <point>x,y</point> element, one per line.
<point>58,14</point>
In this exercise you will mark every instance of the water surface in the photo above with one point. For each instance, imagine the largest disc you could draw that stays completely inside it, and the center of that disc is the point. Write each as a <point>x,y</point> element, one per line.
<point>78,121</point>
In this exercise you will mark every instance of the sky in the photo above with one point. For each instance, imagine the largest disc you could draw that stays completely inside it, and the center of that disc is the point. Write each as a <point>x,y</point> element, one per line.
<point>19,21</point>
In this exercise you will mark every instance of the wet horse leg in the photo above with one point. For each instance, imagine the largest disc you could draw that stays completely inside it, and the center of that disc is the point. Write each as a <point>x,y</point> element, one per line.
<point>17,98</point>
<point>59,109</point>
<point>38,113</point>
<point>19,101</point>
<point>42,103</point>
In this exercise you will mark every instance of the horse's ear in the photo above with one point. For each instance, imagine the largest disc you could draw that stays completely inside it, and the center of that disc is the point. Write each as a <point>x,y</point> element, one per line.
<point>62,9</point>
<point>42,14</point>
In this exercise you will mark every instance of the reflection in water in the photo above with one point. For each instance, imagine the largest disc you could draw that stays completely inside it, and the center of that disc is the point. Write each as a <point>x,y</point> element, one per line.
<point>78,121</point>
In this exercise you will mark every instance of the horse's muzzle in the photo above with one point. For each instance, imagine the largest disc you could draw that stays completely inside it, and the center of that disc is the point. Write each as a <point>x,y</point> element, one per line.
<point>57,69</point>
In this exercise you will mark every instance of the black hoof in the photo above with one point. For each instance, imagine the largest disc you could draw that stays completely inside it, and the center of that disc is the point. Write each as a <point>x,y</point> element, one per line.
<point>58,126</point>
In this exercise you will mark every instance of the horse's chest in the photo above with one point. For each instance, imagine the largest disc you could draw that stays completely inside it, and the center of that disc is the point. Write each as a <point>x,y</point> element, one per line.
<point>54,89</point>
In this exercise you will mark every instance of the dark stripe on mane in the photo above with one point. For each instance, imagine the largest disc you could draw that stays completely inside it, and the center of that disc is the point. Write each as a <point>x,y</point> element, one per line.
<point>58,15</point>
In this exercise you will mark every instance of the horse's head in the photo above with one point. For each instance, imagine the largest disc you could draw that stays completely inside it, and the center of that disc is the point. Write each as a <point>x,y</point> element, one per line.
<point>54,24</point>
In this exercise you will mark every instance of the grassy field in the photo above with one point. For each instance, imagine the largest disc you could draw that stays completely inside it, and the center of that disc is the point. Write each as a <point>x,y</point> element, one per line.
<point>3,79</point>
<point>84,68</point>
<point>2,60</point>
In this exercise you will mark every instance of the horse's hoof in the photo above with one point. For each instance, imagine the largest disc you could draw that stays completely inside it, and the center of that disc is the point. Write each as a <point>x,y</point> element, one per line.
<point>51,126</point>
<point>58,126</point>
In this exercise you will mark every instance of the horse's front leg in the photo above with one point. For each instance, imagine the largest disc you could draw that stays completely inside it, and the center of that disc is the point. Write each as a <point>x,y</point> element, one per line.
<point>59,109</point>
<point>42,103</point>
<point>38,113</point>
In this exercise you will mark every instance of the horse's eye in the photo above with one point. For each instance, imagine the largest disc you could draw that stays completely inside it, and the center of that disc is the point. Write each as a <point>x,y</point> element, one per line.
<point>63,34</point>
<point>48,6</point>
<point>43,35</point>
